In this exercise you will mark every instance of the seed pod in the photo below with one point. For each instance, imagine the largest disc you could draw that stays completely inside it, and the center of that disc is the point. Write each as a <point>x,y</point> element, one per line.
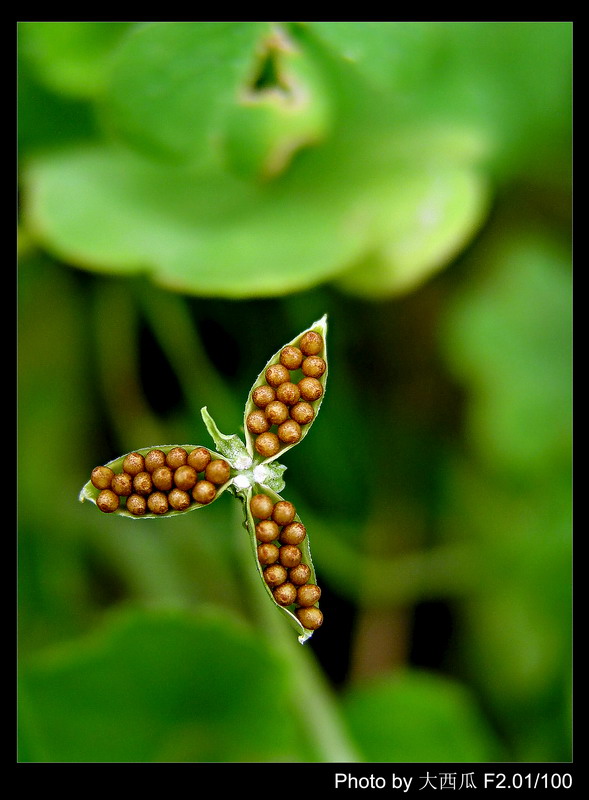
<point>293,533</point>
<point>218,471</point>
<point>142,483</point>
<point>310,618</point>
<point>185,477</point>
<point>289,432</point>
<point>179,499</point>
<point>107,501</point>
<point>133,464</point>
<point>267,531</point>
<point>277,374</point>
<point>310,388</point>
<point>285,594</point>
<point>311,343</point>
<point>261,506</point>
<point>299,575</point>
<point>308,595</point>
<point>122,484</point>
<point>274,575</point>
<point>154,459</point>
<point>288,393</point>
<point>199,458</point>
<point>157,502</point>
<point>176,457</point>
<point>136,504</point>
<point>204,492</point>
<point>313,366</point>
<point>102,477</point>
<point>302,412</point>
<point>290,555</point>
<point>262,395</point>
<point>283,513</point>
<point>267,444</point>
<point>268,553</point>
<point>257,422</point>
<point>163,479</point>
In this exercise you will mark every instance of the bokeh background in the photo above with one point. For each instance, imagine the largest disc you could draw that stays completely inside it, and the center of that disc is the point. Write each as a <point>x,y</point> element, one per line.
<point>192,195</point>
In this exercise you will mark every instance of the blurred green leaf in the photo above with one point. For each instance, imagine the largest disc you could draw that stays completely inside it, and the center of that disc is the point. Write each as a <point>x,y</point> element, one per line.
<point>418,717</point>
<point>509,337</point>
<point>71,58</point>
<point>158,686</point>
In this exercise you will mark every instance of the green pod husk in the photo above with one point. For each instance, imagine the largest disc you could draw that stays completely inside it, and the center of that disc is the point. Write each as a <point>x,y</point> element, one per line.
<point>250,524</point>
<point>90,492</point>
<point>319,327</point>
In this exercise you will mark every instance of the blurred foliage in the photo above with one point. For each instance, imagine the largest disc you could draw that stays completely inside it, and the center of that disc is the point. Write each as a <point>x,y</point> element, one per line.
<point>192,196</point>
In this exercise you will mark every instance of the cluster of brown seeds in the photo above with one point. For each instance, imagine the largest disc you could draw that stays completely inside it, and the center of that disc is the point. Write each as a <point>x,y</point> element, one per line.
<point>160,482</point>
<point>279,535</point>
<point>284,401</point>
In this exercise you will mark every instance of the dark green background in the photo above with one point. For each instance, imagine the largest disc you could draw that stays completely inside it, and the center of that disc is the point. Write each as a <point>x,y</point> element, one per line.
<point>426,210</point>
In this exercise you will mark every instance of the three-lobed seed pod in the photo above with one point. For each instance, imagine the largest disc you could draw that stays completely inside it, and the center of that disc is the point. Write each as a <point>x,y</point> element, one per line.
<point>173,479</point>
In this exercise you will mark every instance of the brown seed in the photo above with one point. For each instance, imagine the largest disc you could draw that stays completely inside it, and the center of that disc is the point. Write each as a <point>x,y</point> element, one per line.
<point>154,459</point>
<point>275,574</point>
<point>308,595</point>
<point>204,492</point>
<point>313,366</point>
<point>291,357</point>
<point>302,412</point>
<point>267,531</point>
<point>299,575</point>
<point>177,457</point>
<point>185,477</point>
<point>285,594</point>
<point>107,501</point>
<point>290,556</point>
<point>283,513</point>
<point>294,533</point>
<point>136,504</point>
<point>134,463</point>
<point>142,483</point>
<point>311,389</point>
<point>310,618</point>
<point>289,432</point>
<point>218,471</point>
<point>267,444</point>
<point>268,553</point>
<point>163,479</point>
<point>179,499</point>
<point>257,422</point>
<point>276,412</point>
<point>288,393</point>
<point>157,503</point>
<point>277,374</point>
<point>311,343</point>
<point>122,484</point>
<point>261,506</point>
<point>199,458</point>
<point>262,395</point>
<point>102,477</point>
